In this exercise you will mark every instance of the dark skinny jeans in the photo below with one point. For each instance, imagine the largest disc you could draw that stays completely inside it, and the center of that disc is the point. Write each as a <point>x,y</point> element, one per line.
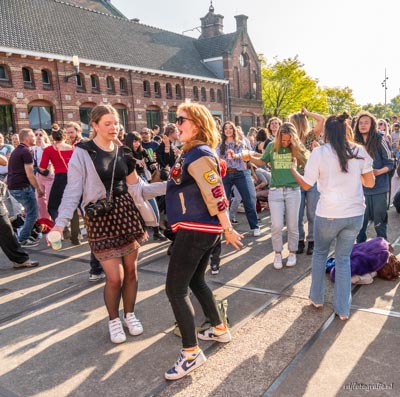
<point>189,260</point>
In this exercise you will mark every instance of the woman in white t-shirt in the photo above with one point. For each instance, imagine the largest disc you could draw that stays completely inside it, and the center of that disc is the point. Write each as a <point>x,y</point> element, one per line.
<point>340,168</point>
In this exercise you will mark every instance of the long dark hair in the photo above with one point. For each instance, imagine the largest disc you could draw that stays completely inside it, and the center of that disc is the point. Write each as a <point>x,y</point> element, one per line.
<point>339,134</point>
<point>373,138</point>
<point>236,137</point>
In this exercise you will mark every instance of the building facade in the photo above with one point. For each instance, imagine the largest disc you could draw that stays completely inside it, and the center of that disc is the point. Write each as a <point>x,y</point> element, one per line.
<point>143,71</point>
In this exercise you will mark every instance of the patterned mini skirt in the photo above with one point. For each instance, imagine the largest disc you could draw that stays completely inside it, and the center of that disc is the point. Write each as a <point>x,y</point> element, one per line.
<point>117,233</point>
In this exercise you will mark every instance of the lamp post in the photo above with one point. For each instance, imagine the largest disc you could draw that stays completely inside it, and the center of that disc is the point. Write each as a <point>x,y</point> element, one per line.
<point>75,64</point>
<point>384,85</point>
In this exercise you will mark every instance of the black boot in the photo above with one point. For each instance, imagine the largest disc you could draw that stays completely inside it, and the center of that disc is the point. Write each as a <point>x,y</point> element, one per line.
<point>300,247</point>
<point>157,235</point>
<point>310,248</point>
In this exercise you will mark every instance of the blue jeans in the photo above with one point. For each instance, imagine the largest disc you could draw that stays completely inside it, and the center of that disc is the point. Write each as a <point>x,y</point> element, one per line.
<point>309,200</point>
<point>242,180</point>
<point>284,205</point>
<point>376,211</point>
<point>345,231</point>
<point>27,198</point>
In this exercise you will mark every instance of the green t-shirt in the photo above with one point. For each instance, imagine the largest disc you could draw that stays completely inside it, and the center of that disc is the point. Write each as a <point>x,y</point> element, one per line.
<point>281,162</point>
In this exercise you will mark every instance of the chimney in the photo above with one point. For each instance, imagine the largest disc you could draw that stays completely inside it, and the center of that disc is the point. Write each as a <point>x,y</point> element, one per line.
<point>241,22</point>
<point>211,24</point>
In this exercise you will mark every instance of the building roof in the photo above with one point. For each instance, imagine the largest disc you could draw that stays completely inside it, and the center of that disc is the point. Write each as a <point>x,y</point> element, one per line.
<point>103,6</point>
<point>216,46</point>
<point>57,27</point>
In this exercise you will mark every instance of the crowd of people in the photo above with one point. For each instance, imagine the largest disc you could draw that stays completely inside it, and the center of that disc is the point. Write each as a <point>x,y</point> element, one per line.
<point>185,182</point>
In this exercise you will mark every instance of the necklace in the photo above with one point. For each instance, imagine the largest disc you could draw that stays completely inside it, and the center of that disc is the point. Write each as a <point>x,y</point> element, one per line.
<point>110,148</point>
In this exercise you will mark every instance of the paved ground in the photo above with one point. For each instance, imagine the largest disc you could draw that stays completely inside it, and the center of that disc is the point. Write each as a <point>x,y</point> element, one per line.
<point>54,339</point>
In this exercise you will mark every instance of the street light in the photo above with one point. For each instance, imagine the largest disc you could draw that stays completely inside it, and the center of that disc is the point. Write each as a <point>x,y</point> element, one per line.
<point>384,85</point>
<point>75,63</point>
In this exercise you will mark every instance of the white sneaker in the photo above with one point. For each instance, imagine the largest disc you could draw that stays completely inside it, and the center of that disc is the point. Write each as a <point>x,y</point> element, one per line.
<point>256,232</point>
<point>278,261</point>
<point>117,334</point>
<point>291,261</point>
<point>134,325</point>
<point>186,363</point>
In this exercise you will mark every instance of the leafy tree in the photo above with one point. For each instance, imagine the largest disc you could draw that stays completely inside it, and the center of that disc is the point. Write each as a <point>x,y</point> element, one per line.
<point>286,88</point>
<point>340,100</point>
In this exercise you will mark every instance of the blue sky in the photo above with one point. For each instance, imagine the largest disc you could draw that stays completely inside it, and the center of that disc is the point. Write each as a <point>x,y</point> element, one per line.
<point>341,43</point>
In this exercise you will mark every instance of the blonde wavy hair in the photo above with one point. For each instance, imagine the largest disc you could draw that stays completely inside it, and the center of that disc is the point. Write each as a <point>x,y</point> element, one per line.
<point>300,121</point>
<point>206,129</point>
<point>296,147</point>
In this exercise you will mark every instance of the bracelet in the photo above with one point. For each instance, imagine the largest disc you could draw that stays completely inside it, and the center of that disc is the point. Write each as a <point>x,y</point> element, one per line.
<point>228,230</point>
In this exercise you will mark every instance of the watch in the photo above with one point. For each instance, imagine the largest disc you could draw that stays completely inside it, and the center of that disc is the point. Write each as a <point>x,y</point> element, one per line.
<point>228,230</point>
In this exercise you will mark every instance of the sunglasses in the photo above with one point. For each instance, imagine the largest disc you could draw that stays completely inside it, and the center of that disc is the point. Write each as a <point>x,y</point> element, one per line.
<point>381,123</point>
<point>180,120</point>
<point>39,135</point>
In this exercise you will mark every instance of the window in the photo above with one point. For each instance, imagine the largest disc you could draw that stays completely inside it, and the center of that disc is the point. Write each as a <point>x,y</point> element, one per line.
<point>6,120</point>
<point>178,92</point>
<point>146,88</point>
<point>172,116</point>
<point>123,86</point>
<point>123,117</point>
<point>46,80</point>
<point>94,80</point>
<point>195,93</point>
<point>168,90</point>
<point>80,83</point>
<point>203,94</point>
<point>219,96</point>
<point>157,89</point>
<point>27,76</point>
<point>84,116</point>
<point>40,117</point>
<point>153,117</point>
<point>110,85</point>
<point>5,76</point>
<point>212,95</point>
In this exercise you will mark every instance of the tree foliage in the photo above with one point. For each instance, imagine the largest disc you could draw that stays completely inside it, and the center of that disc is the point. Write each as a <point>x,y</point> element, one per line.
<point>340,100</point>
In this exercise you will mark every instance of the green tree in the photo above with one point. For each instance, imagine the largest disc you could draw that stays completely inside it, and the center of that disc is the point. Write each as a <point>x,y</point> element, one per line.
<point>395,105</point>
<point>286,88</point>
<point>340,100</point>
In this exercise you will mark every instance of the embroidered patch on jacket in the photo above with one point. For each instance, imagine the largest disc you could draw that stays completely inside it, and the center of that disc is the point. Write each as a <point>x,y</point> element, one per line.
<point>211,177</point>
<point>176,172</point>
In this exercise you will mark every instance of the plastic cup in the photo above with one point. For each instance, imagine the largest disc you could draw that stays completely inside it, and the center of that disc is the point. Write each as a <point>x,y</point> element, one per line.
<point>54,238</point>
<point>245,155</point>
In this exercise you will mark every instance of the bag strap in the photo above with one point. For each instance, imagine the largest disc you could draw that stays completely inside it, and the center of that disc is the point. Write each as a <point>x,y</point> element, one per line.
<point>110,196</point>
<point>61,157</point>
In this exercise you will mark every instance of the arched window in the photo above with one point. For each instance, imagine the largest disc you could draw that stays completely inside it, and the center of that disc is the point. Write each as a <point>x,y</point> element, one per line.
<point>146,88</point>
<point>110,85</point>
<point>123,86</point>
<point>203,94</point>
<point>195,93</point>
<point>219,96</point>
<point>212,95</point>
<point>168,90</point>
<point>94,79</point>
<point>178,92</point>
<point>46,80</point>
<point>80,83</point>
<point>157,89</point>
<point>5,76</point>
<point>27,77</point>
<point>40,114</point>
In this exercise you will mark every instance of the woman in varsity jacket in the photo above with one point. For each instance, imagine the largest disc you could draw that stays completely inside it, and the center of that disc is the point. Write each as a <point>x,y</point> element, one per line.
<point>198,212</point>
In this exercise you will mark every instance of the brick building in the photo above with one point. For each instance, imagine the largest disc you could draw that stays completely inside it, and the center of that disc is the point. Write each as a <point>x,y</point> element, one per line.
<point>143,71</point>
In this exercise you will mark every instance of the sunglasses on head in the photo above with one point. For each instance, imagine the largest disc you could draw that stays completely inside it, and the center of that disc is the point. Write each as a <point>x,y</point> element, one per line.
<point>180,120</point>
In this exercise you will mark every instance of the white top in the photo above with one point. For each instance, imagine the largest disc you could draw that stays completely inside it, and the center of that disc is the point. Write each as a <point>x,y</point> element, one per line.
<point>342,194</point>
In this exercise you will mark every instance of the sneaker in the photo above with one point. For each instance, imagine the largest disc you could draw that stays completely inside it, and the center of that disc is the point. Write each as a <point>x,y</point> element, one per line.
<point>134,325</point>
<point>278,261</point>
<point>29,243</point>
<point>256,232</point>
<point>291,261</point>
<point>117,334</point>
<point>215,334</point>
<point>27,263</point>
<point>214,269</point>
<point>186,363</point>
<point>97,277</point>
<point>234,221</point>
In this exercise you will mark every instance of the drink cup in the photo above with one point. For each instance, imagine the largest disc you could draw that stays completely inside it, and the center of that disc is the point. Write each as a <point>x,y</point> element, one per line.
<point>245,155</point>
<point>54,238</point>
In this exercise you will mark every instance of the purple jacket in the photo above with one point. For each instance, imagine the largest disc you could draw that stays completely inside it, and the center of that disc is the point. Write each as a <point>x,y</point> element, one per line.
<point>367,257</point>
